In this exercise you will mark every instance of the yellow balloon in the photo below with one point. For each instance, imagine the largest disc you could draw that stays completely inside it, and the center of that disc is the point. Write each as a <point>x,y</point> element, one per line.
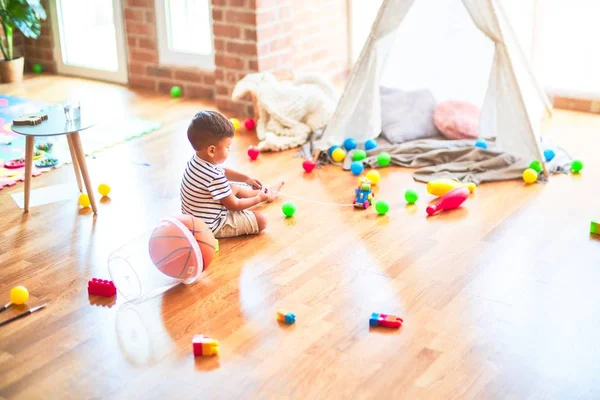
<point>373,176</point>
<point>104,189</point>
<point>19,295</point>
<point>236,123</point>
<point>338,155</point>
<point>530,175</point>
<point>84,200</point>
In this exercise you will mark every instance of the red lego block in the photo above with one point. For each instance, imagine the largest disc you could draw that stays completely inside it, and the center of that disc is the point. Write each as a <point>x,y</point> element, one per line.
<point>385,320</point>
<point>204,346</point>
<point>102,287</point>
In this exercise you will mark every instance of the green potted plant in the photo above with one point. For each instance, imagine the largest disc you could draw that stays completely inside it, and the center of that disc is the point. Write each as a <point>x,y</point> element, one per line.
<point>26,16</point>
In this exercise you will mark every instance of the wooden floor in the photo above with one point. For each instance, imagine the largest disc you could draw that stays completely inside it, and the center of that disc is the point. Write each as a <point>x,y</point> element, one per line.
<point>500,299</point>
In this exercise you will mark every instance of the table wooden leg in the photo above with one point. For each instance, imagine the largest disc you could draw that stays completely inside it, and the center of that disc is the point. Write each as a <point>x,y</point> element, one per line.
<point>76,140</point>
<point>75,162</point>
<point>29,142</point>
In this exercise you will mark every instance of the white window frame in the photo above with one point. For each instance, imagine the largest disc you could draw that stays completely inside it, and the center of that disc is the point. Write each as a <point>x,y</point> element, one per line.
<point>169,57</point>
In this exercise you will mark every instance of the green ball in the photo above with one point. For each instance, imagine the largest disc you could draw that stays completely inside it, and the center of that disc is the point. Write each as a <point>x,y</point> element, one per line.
<point>384,159</point>
<point>576,166</point>
<point>175,91</point>
<point>359,154</point>
<point>37,68</point>
<point>382,207</point>
<point>411,196</point>
<point>288,208</point>
<point>536,165</point>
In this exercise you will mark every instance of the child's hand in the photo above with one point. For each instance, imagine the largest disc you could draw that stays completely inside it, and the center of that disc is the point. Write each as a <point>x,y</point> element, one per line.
<point>264,195</point>
<point>255,183</point>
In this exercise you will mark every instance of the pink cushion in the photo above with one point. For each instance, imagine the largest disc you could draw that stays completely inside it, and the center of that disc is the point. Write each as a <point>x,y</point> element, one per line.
<point>457,119</point>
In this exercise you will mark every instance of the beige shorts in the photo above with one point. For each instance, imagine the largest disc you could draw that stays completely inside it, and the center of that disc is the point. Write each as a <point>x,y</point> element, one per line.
<point>238,223</point>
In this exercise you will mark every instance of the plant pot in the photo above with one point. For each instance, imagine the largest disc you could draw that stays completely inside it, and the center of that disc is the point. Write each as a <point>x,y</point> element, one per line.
<point>12,70</point>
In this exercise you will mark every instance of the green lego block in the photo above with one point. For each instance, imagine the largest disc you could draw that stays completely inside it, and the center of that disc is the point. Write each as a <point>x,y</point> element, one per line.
<point>595,227</point>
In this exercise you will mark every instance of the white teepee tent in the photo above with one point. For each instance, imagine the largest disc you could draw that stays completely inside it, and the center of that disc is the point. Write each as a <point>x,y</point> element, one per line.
<point>513,105</point>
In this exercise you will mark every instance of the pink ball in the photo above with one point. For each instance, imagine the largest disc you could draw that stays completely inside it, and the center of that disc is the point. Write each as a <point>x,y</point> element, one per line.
<point>250,124</point>
<point>253,152</point>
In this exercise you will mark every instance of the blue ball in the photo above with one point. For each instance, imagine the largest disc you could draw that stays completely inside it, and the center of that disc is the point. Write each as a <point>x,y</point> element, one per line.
<point>481,143</point>
<point>357,167</point>
<point>549,155</point>
<point>370,144</point>
<point>350,144</point>
<point>331,149</point>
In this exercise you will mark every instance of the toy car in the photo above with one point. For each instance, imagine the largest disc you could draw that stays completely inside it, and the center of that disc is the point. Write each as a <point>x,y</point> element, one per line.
<point>364,194</point>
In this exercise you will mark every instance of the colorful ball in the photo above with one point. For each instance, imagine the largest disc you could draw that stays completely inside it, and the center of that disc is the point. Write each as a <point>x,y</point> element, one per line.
<point>203,235</point>
<point>357,168</point>
<point>250,124</point>
<point>359,154</point>
<point>308,165</point>
<point>253,152</point>
<point>84,200</point>
<point>382,207</point>
<point>549,155</point>
<point>176,91</point>
<point>576,166</point>
<point>384,159</point>
<point>19,295</point>
<point>236,123</point>
<point>349,144</point>
<point>37,68</point>
<point>536,165</point>
<point>331,149</point>
<point>529,175</point>
<point>373,176</point>
<point>288,208</point>
<point>338,155</point>
<point>370,144</point>
<point>411,196</point>
<point>481,143</point>
<point>103,189</point>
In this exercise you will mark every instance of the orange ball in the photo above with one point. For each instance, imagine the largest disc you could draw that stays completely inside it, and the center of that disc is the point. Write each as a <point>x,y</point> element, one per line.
<point>204,236</point>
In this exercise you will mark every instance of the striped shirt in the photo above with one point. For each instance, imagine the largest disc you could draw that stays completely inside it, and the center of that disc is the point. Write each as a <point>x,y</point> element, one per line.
<point>202,186</point>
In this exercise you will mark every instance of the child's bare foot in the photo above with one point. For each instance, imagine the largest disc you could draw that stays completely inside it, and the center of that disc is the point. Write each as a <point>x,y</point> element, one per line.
<point>274,190</point>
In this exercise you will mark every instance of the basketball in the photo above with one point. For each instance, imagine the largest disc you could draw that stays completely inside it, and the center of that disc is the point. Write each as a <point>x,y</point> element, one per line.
<point>171,251</point>
<point>203,235</point>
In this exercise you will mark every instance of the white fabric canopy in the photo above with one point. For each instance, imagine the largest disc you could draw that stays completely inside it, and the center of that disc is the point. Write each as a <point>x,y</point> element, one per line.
<point>481,62</point>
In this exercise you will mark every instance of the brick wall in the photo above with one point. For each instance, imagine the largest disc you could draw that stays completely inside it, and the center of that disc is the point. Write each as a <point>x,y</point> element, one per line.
<point>41,50</point>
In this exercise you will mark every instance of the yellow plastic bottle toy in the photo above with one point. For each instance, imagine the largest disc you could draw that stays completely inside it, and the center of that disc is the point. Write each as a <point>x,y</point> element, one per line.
<point>440,187</point>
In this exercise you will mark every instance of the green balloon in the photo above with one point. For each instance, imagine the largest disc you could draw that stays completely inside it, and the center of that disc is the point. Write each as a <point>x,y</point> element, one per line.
<point>382,207</point>
<point>384,159</point>
<point>37,68</point>
<point>175,91</point>
<point>411,196</point>
<point>576,166</point>
<point>536,165</point>
<point>359,154</point>
<point>288,208</point>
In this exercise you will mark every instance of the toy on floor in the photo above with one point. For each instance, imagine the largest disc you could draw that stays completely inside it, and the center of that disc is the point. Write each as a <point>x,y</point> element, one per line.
<point>481,143</point>
<point>338,155</point>
<point>288,208</point>
<point>203,235</point>
<point>16,163</point>
<point>536,166</point>
<point>286,317</point>
<point>349,144</point>
<point>373,176</point>
<point>439,187</point>
<point>331,149</point>
<point>370,144</point>
<point>250,124</point>
<point>576,166</point>
<point>253,152</point>
<point>84,200</point>
<point>23,314</point>
<point>308,165</point>
<point>595,227</point>
<point>176,91</point>
<point>549,155</point>
<point>359,154</point>
<point>411,196</point>
<point>530,175</point>
<point>364,194</point>
<point>385,320</point>
<point>382,207</point>
<point>384,159</point>
<point>357,167</point>
<point>37,68</point>
<point>101,287</point>
<point>236,123</point>
<point>204,346</point>
<point>47,162</point>
<point>103,189</point>
<point>46,146</point>
<point>216,245</point>
<point>18,296</point>
<point>451,200</point>
<point>30,119</point>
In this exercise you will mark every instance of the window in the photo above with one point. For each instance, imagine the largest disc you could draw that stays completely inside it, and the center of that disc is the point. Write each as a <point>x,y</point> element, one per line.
<point>185,33</point>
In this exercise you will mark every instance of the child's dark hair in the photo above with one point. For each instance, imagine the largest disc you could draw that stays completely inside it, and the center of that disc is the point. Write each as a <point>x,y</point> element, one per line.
<point>208,128</point>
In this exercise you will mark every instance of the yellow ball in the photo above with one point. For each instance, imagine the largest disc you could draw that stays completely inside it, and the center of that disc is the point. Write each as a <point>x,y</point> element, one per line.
<point>529,175</point>
<point>19,295</point>
<point>338,155</point>
<point>84,200</point>
<point>373,176</point>
<point>104,189</point>
<point>236,123</point>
